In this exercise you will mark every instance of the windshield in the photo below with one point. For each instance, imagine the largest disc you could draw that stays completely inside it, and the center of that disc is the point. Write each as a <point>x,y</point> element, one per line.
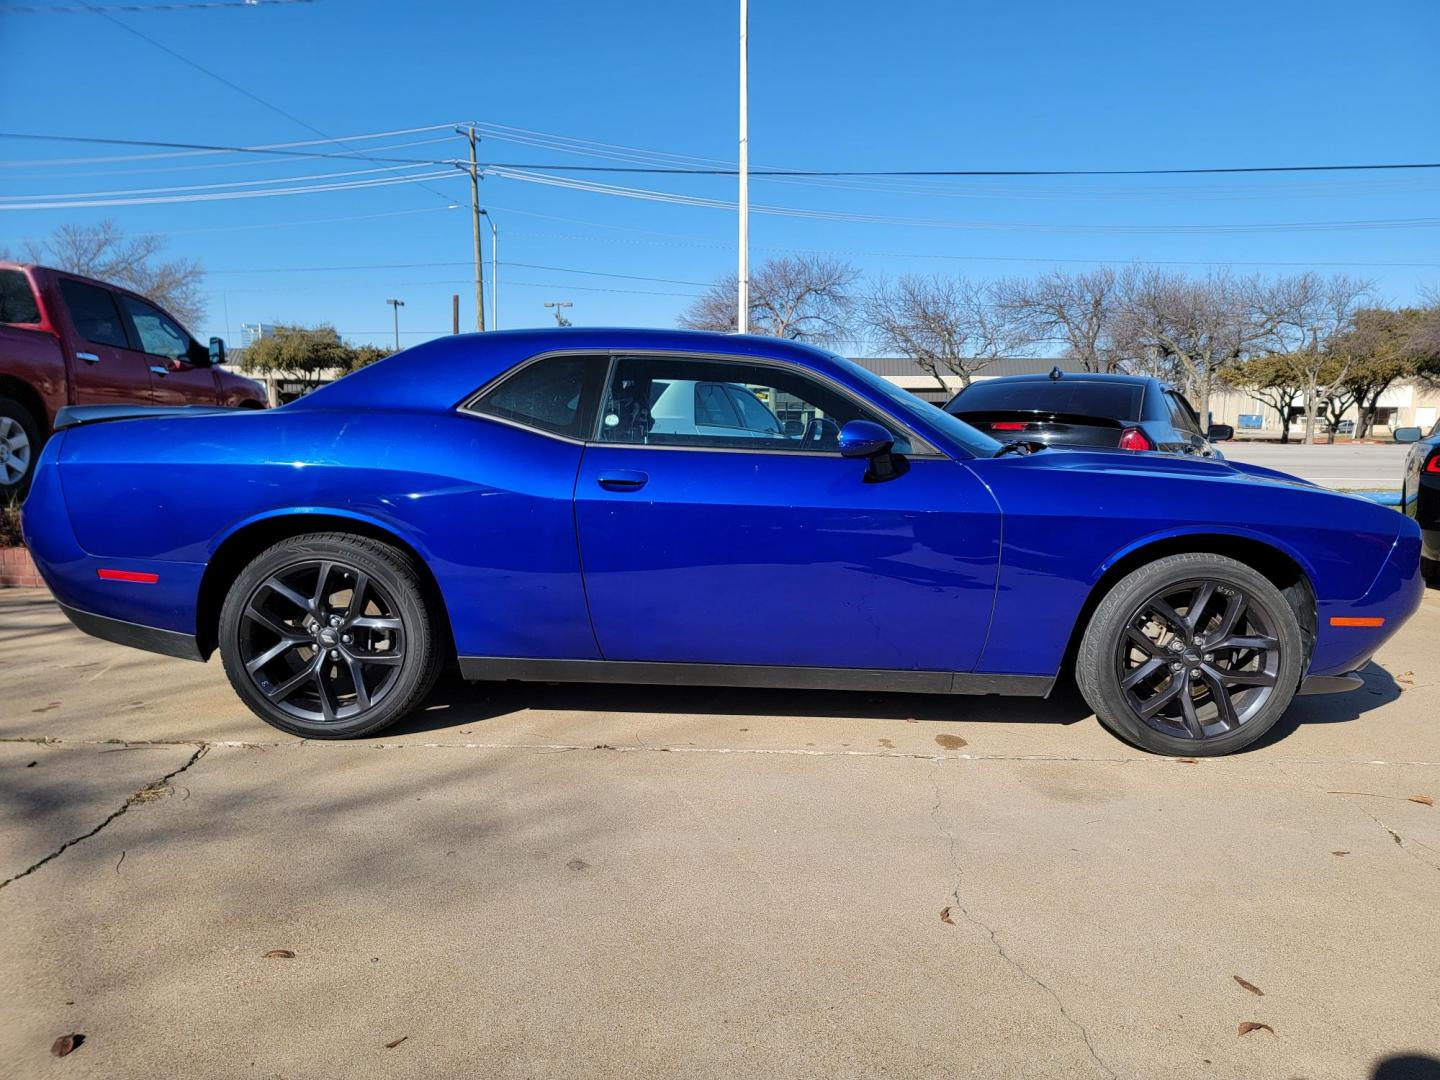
<point>910,406</point>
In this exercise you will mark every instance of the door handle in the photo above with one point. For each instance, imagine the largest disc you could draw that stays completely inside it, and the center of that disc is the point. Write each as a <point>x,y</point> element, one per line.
<point>159,369</point>
<point>88,357</point>
<point>623,480</point>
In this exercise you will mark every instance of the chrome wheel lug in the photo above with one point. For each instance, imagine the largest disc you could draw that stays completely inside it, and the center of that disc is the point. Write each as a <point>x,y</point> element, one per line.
<point>1176,665</point>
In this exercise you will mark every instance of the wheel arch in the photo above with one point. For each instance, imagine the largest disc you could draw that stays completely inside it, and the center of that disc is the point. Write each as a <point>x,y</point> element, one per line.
<point>30,398</point>
<point>1284,568</point>
<point>248,539</point>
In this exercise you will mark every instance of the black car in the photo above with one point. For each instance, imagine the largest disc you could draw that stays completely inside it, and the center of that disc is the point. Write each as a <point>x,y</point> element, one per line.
<point>1125,412</point>
<point>1420,493</point>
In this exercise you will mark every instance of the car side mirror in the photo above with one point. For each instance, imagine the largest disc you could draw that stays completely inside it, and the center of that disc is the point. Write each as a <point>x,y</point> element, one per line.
<point>867,439</point>
<point>1407,434</point>
<point>864,438</point>
<point>217,351</point>
<point>1220,433</point>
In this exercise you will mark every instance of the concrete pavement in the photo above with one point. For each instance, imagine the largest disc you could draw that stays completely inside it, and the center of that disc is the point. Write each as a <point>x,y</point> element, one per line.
<point>1344,465</point>
<point>605,881</point>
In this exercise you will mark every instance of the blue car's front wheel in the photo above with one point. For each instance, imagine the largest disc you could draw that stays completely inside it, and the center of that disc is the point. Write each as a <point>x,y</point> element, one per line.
<point>1193,654</point>
<point>328,636</point>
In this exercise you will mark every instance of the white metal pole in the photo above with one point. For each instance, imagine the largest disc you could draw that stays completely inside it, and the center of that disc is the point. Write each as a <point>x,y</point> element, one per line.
<point>494,274</point>
<point>742,314</point>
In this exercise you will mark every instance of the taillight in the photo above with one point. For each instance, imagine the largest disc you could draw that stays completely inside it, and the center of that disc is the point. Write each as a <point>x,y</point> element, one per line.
<point>1007,425</point>
<point>1132,438</point>
<point>1433,465</point>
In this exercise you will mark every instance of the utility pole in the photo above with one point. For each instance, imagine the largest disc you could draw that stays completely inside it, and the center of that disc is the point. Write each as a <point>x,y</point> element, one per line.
<point>494,270</point>
<point>454,313</point>
<point>475,213</point>
<point>559,306</point>
<point>397,305</point>
<point>742,314</point>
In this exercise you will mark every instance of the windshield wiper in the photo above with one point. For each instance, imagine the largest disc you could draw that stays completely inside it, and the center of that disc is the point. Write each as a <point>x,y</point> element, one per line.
<point>1018,446</point>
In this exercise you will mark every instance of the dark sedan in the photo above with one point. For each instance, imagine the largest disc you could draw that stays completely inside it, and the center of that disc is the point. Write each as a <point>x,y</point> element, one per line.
<point>1126,412</point>
<point>1420,493</point>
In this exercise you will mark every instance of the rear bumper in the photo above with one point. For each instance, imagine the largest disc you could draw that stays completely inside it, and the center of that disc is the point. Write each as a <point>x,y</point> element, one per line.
<point>149,638</point>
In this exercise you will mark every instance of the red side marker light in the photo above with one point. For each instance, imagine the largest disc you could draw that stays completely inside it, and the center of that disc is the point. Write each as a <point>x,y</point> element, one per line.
<point>1007,425</point>
<point>1352,620</point>
<point>128,575</point>
<point>1132,438</point>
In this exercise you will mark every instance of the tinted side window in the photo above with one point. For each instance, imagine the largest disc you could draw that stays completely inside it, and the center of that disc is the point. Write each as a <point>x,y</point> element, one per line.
<point>17,302</point>
<point>1181,415</point>
<point>92,310</point>
<point>680,413</point>
<point>556,394</point>
<point>159,334</point>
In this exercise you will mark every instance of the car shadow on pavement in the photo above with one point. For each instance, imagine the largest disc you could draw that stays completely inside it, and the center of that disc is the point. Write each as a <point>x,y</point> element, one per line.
<point>1380,688</point>
<point>1407,1067</point>
<point>455,702</point>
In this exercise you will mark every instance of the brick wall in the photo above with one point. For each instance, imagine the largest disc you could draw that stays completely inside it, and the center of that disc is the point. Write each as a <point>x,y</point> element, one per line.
<point>16,568</point>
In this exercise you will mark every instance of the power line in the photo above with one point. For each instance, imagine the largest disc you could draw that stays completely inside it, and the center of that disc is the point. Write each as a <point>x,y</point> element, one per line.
<point>222,196</point>
<point>145,9</point>
<point>226,82</point>
<point>721,170</point>
<point>428,265</point>
<point>283,149</point>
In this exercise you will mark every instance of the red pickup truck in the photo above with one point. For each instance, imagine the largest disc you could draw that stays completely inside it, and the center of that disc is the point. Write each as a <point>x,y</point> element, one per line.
<point>71,340</point>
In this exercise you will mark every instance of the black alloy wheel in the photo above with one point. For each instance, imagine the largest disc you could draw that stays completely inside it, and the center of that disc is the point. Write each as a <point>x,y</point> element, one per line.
<point>1198,659</point>
<point>1192,655</point>
<point>328,636</point>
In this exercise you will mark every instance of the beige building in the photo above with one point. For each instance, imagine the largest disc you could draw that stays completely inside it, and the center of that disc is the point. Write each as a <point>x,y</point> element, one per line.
<point>1407,404</point>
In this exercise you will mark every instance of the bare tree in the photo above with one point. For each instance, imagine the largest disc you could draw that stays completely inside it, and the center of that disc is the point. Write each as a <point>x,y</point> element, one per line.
<point>1190,329</point>
<point>947,325</point>
<point>1074,308</point>
<point>1271,379</point>
<point>801,297</point>
<point>1306,317</point>
<point>104,251</point>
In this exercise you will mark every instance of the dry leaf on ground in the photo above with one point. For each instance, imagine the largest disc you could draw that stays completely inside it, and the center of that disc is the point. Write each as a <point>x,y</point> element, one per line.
<point>1250,1025</point>
<point>945,916</point>
<point>66,1043</point>
<point>1248,985</point>
<point>1423,800</point>
<point>279,954</point>
<point>395,1043</point>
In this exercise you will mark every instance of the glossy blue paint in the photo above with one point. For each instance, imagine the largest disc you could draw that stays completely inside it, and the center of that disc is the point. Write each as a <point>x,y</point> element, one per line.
<point>551,548</point>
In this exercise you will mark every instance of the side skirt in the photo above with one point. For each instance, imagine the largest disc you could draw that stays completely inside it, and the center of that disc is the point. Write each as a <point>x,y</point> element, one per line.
<point>149,638</point>
<point>495,669</point>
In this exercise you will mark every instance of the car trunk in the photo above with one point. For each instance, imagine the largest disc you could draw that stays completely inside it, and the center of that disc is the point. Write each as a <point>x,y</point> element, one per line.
<point>1056,429</point>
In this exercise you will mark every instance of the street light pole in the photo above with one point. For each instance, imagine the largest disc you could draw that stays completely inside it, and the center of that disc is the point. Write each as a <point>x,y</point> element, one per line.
<point>397,305</point>
<point>494,270</point>
<point>742,314</point>
<point>559,306</point>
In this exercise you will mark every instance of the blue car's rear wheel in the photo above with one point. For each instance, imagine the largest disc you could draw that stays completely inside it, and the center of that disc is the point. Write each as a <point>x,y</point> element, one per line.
<point>1194,654</point>
<point>328,636</point>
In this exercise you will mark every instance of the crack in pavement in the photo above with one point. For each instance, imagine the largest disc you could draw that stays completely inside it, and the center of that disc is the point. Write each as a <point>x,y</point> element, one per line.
<point>976,921</point>
<point>1400,841</point>
<point>125,806</point>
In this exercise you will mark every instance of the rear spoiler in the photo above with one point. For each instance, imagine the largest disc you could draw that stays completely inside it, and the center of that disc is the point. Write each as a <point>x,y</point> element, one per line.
<point>80,415</point>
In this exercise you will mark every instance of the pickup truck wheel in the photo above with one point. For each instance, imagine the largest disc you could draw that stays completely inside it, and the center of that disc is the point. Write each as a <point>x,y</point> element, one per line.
<point>20,442</point>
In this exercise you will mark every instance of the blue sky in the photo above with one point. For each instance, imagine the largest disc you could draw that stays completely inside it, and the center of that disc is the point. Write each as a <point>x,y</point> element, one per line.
<point>841,85</point>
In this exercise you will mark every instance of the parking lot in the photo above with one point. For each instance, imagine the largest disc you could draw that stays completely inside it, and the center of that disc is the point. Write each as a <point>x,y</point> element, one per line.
<point>604,881</point>
<point>1344,465</point>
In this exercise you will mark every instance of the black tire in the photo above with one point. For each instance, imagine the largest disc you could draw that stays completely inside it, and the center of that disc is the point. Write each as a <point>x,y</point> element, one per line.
<point>21,438</point>
<point>294,652</point>
<point>1133,658</point>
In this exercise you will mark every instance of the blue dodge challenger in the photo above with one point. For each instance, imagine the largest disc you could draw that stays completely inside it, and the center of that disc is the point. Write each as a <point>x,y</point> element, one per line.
<point>669,507</point>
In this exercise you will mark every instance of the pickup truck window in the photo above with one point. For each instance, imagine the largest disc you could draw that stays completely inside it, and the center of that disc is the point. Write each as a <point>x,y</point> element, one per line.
<point>17,302</point>
<point>92,310</point>
<point>159,335</point>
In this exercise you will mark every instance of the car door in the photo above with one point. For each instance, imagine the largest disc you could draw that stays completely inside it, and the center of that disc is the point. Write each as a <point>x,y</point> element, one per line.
<point>180,368</point>
<point>104,368</point>
<point>720,549</point>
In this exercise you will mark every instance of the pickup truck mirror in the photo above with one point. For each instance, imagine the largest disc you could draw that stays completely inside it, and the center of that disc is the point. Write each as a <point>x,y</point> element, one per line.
<point>217,351</point>
<point>1220,433</point>
<point>1406,434</point>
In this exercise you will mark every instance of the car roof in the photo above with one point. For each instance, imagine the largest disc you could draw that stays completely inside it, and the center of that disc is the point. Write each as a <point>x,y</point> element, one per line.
<point>445,371</point>
<point>1070,377</point>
